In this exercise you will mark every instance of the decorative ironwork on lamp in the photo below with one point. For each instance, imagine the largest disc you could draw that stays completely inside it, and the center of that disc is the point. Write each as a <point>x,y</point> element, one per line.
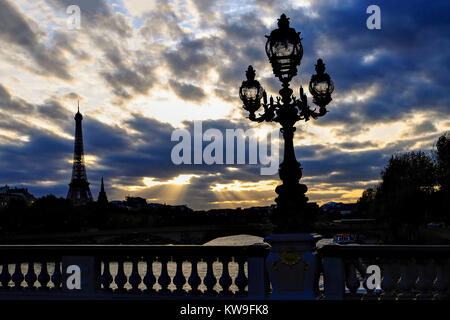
<point>285,51</point>
<point>321,86</point>
<point>251,91</point>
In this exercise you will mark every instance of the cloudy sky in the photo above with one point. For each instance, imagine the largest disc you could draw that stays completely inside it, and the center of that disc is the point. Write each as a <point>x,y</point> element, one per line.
<point>141,69</point>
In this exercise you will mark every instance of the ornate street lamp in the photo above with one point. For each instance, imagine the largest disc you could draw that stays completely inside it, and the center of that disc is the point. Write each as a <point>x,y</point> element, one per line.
<point>285,51</point>
<point>251,92</point>
<point>321,86</point>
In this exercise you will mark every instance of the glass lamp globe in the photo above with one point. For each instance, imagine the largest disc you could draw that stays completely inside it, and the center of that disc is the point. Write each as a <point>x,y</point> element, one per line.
<point>251,91</point>
<point>284,50</point>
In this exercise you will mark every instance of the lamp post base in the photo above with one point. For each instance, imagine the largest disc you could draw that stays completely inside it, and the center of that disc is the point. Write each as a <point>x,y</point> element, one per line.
<point>293,266</point>
<point>293,213</point>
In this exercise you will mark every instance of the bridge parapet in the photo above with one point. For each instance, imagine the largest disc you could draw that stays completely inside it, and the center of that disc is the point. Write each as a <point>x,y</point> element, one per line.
<point>132,271</point>
<point>368,272</point>
<point>386,272</point>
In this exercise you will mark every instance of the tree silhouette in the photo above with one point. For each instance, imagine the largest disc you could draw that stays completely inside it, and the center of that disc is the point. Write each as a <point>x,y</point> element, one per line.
<point>366,204</point>
<point>443,162</point>
<point>415,188</point>
<point>406,182</point>
<point>404,194</point>
<point>442,158</point>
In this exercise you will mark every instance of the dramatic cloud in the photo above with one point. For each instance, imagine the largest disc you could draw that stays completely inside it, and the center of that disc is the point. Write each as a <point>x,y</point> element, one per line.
<point>16,29</point>
<point>142,69</point>
<point>10,104</point>
<point>187,91</point>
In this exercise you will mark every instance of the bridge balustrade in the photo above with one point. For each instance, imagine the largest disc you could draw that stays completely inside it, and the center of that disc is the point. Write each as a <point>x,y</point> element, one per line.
<point>405,272</point>
<point>133,271</point>
<point>216,272</point>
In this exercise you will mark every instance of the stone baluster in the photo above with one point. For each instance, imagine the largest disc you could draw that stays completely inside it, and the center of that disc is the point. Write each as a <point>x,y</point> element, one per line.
<point>225,280</point>
<point>194,279</point>
<point>44,277</point>
<point>179,279</point>
<point>389,280</point>
<point>351,279</point>
<point>164,278</point>
<point>210,279</point>
<point>135,278</point>
<point>17,276</point>
<point>149,278</point>
<point>241,280</point>
<point>268,285</point>
<point>57,276</point>
<point>257,277</point>
<point>424,283</point>
<point>120,279</point>
<point>369,280</point>
<point>441,283</point>
<point>106,279</point>
<point>334,278</point>
<point>5,277</point>
<point>31,277</point>
<point>370,292</point>
<point>408,276</point>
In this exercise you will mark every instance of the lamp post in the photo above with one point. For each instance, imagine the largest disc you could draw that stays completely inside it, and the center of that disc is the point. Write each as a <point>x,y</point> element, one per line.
<point>292,265</point>
<point>284,50</point>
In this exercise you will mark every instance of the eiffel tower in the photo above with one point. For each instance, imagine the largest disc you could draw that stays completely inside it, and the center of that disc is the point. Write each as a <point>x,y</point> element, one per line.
<point>79,192</point>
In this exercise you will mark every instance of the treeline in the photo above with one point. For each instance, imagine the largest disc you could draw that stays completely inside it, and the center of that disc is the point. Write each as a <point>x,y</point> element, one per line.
<point>50,214</point>
<point>414,190</point>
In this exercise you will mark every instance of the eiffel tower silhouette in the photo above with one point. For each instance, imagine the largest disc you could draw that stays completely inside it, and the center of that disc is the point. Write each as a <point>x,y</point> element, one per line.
<point>79,191</point>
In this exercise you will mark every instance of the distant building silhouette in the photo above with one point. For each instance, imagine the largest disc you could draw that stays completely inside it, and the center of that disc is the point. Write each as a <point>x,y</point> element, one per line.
<point>339,208</point>
<point>7,194</point>
<point>102,198</point>
<point>135,202</point>
<point>119,203</point>
<point>79,191</point>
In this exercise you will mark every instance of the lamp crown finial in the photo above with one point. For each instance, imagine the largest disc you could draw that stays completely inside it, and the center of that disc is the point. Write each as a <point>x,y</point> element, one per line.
<point>250,73</point>
<point>320,66</point>
<point>283,22</point>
